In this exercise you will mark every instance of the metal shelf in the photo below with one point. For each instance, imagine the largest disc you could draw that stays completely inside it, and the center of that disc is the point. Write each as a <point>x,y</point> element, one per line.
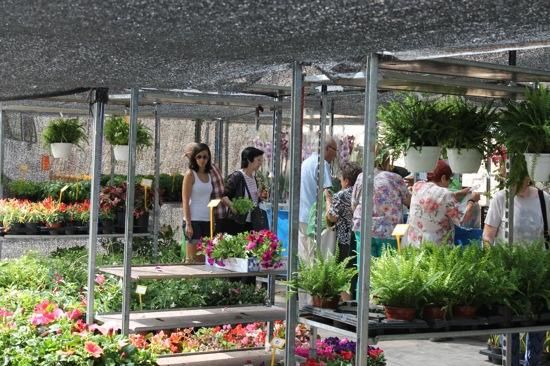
<point>76,236</point>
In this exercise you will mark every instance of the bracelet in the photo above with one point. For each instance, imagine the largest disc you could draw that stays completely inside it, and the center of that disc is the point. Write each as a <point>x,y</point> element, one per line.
<point>474,202</point>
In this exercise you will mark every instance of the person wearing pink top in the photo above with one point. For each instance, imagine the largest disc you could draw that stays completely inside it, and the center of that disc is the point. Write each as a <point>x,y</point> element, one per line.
<point>435,210</point>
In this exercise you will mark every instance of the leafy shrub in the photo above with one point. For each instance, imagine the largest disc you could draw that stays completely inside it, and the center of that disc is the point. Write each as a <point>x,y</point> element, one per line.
<point>25,189</point>
<point>117,131</point>
<point>67,130</point>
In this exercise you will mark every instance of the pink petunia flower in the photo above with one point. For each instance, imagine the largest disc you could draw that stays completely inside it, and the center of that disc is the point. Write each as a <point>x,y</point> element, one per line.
<point>93,349</point>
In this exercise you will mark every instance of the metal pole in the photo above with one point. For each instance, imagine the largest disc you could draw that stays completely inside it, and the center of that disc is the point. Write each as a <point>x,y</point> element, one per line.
<point>276,153</point>
<point>226,149</point>
<point>198,128</point>
<point>331,122</point>
<point>321,167</point>
<point>128,230</point>
<point>218,141</point>
<point>156,208</point>
<point>297,107</point>
<point>1,153</point>
<point>371,99</point>
<point>101,96</point>
<point>113,162</point>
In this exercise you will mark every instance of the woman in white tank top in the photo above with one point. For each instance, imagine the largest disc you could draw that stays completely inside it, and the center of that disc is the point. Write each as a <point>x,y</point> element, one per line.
<point>197,189</point>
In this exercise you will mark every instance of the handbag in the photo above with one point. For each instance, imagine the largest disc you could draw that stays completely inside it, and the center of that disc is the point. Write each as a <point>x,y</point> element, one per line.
<point>258,216</point>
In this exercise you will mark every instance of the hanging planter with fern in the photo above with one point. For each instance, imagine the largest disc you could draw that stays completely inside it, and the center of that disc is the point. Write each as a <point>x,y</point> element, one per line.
<point>61,134</point>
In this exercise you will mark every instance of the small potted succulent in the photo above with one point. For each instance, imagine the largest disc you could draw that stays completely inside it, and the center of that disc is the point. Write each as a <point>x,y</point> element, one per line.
<point>413,126</point>
<point>61,134</point>
<point>117,132</point>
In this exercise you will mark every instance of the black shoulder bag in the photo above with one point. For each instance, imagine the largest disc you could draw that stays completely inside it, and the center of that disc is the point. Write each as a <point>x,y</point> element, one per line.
<point>258,217</point>
<point>544,219</point>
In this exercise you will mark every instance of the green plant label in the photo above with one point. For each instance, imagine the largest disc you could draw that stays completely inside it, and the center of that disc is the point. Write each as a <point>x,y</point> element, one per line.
<point>141,290</point>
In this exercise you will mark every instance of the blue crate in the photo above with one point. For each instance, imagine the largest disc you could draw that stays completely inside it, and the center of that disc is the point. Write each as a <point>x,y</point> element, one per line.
<point>465,236</point>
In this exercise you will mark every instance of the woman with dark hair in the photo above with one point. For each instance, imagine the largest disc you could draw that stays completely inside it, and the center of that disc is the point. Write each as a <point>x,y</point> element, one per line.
<point>435,210</point>
<point>197,189</point>
<point>242,183</point>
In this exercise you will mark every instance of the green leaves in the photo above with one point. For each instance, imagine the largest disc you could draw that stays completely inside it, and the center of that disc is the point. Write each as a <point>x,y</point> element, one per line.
<point>242,205</point>
<point>67,130</point>
<point>117,132</point>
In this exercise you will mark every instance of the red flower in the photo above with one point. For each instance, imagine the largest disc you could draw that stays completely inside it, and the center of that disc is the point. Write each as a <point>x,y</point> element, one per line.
<point>346,355</point>
<point>74,314</point>
<point>93,349</point>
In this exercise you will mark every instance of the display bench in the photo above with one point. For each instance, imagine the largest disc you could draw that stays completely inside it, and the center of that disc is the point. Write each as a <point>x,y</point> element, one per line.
<point>381,329</point>
<point>13,246</point>
<point>145,321</point>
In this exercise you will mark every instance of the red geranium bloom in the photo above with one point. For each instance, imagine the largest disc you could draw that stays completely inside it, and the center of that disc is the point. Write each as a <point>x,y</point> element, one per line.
<point>93,349</point>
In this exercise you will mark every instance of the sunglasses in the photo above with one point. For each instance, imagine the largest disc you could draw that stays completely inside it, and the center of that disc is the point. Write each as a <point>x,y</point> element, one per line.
<point>331,147</point>
<point>205,157</point>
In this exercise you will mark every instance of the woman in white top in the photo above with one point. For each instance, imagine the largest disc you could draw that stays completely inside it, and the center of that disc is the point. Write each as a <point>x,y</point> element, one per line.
<point>197,189</point>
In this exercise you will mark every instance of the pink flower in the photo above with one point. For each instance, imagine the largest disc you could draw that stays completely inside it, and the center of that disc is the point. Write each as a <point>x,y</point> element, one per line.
<point>45,313</point>
<point>100,279</point>
<point>4,313</point>
<point>74,314</point>
<point>93,349</point>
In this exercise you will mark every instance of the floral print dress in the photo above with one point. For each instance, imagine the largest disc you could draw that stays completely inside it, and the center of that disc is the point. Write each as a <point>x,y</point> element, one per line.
<point>434,212</point>
<point>341,208</point>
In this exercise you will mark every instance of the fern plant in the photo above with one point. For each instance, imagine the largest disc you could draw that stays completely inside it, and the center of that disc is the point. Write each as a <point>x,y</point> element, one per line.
<point>468,126</point>
<point>117,131</point>
<point>63,130</point>
<point>411,122</point>
<point>323,277</point>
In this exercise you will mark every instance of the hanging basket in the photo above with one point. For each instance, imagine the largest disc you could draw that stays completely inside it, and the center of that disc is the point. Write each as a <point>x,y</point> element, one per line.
<point>121,152</point>
<point>61,150</point>
<point>464,160</point>
<point>538,166</point>
<point>423,160</point>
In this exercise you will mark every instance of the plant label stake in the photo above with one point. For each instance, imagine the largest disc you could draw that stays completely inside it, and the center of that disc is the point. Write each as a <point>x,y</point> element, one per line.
<point>146,184</point>
<point>213,203</point>
<point>276,343</point>
<point>398,232</point>
<point>61,192</point>
<point>141,290</point>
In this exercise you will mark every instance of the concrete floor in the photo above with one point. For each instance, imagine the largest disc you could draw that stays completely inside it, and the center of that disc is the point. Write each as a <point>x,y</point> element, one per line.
<point>456,352</point>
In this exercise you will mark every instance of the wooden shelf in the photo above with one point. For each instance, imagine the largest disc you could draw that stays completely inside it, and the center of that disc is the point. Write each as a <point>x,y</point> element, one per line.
<point>157,272</point>
<point>144,321</point>
<point>228,358</point>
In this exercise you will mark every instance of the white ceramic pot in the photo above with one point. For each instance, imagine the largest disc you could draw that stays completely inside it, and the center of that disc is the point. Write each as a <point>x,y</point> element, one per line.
<point>423,160</point>
<point>464,160</point>
<point>538,166</point>
<point>121,152</point>
<point>61,149</point>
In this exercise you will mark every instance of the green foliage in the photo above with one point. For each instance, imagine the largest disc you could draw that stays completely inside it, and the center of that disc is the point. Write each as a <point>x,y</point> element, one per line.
<point>242,205</point>
<point>324,277</point>
<point>25,189</point>
<point>231,246</point>
<point>117,131</point>
<point>398,279</point>
<point>468,126</point>
<point>411,122</point>
<point>524,127</point>
<point>68,130</point>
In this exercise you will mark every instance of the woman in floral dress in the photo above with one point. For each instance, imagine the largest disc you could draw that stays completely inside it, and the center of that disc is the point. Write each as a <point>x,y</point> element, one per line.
<point>435,210</point>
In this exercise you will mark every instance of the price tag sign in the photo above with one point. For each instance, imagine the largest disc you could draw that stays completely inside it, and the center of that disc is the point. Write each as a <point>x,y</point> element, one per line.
<point>400,229</point>
<point>141,290</point>
<point>214,203</point>
<point>64,188</point>
<point>278,343</point>
<point>146,183</point>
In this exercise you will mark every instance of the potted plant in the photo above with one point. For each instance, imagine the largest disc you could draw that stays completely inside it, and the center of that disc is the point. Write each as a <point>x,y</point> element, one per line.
<point>397,282</point>
<point>117,131</point>
<point>525,129</point>
<point>61,134</point>
<point>324,278</point>
<point>468,132</point>
<point>412,126</point>
<point>25,189</point>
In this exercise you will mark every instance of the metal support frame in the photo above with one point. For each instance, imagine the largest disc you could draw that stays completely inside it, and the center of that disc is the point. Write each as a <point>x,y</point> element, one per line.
<point>225,165</point>
<point>156,207</point>
<point>101,96</point>
<point>331,122</point>
<point>294,209</point>
<point>371,99</point>
<point>218,141</point>
<point>321,166</point>
<point>1,153</point>
<point>276,168</point>
<point>198,130</point>
<point>130,193</point>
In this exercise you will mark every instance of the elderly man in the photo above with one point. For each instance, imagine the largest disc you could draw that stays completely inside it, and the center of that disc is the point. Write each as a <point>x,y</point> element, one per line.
<point>308,194</point>
<point>217,186</point>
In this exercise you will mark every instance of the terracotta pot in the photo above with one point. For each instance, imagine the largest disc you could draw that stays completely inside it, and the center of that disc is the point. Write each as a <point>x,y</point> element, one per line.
<point>464,311</point>
<point>325,303</point>
<point>433,312</point>
<point>398,313</point>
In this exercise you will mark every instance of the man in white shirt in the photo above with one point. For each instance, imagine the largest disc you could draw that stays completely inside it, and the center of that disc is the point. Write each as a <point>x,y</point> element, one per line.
<point>308,194</point>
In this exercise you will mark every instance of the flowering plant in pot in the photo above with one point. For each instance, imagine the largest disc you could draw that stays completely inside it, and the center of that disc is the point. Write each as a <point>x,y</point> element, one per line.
<point>333,351</point>
<point>524,128</point>
<point>324,278</point>
<point>468,132</point>
<point>397,282</point>
<point>413,126</point>
<point>117,132</point>
<point>60,134</point>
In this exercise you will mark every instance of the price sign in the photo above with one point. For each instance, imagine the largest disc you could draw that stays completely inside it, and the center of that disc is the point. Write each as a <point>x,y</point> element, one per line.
<point>141,290</point>
<point>278,343</point>
<point>146,183</point>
